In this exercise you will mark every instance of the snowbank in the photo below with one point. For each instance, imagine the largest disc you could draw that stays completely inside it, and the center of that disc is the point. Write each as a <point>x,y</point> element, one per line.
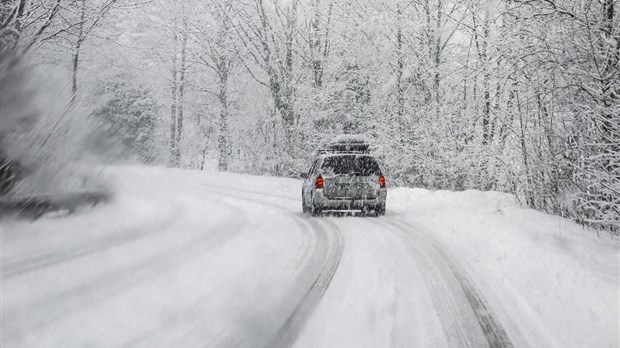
<point>407,199</point>
<point>561,276</point>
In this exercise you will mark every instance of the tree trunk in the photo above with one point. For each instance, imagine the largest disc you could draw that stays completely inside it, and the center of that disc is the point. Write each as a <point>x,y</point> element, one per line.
<point>290,117</point>
<point>315,47</point>
<point>528,178</point>
<point>437,60</point>
<point>400,93</point>
<point>223,137</point>
<point>319,47</point>
<point>20,14</point>
<point>486,94</point>
<point>76,51</point>
<point>173,105</point>
<point>179,135</point>
<point>610,82</point>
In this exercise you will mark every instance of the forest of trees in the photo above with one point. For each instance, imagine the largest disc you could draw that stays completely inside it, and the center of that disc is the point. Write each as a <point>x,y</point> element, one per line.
<point>521,96</point>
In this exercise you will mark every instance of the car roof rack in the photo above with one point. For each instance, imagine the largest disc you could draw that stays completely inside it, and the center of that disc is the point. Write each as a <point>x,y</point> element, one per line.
<point>346,144</point>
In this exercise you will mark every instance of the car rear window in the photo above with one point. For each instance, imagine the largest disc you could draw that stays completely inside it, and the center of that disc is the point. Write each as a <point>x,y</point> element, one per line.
<point>351,164</point>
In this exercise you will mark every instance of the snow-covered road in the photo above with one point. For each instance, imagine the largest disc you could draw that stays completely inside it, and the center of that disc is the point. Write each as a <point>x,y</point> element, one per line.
<point>183,259</point>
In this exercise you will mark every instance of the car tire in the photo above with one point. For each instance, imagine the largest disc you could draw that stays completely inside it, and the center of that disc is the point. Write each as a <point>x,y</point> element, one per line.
<point>380,210</point>
<point>314,211</point>
<point>304,207</point>
<point>365,211</point>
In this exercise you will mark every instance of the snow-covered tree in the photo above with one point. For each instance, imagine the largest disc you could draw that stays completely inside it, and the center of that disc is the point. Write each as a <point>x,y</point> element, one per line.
<point>128,116</point>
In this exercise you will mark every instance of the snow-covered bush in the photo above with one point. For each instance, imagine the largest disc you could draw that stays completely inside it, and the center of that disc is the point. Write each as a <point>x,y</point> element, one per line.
<point>42,135</point>
<point>126,116</point>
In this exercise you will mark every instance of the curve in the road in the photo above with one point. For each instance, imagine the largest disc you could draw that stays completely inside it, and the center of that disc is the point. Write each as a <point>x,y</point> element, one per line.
<point>326,254</point>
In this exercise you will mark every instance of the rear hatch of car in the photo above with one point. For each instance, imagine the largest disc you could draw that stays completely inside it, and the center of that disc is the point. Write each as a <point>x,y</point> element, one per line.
<point>350,176</point>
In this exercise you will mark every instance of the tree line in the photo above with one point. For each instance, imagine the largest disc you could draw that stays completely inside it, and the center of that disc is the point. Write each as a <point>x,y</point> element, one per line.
<point>519,96</point>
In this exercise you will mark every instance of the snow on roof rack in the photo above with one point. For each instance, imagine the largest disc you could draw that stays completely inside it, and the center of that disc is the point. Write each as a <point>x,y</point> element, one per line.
<point>349,139</point>
<point>346,143</point>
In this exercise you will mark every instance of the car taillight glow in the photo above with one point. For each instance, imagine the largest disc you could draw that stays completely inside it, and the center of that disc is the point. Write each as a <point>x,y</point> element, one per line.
<point>382,181</point>
<point>318,183</point>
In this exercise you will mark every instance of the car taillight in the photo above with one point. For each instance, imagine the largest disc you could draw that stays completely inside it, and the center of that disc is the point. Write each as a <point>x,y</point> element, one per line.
<point>382,181</point>
<point>318,183</point>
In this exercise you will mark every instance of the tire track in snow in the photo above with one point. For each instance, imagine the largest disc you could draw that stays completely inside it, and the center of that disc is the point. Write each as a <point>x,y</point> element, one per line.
<point>446,305</point>
<point>295,323</point>
<point>326,254</point>
<point>494,333</point>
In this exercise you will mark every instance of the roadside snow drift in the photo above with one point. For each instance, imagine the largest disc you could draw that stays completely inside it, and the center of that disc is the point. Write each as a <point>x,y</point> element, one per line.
<point>563,278</point>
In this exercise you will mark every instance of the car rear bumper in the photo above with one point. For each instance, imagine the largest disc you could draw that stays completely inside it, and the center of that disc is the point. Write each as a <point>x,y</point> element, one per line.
<point>323,203</point>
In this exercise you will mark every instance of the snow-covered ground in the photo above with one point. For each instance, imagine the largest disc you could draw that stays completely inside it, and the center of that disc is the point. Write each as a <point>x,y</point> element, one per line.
<point>185,258</point>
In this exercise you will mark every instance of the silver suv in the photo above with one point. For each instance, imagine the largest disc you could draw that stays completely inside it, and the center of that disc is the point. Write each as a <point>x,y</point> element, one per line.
<point>344,177</point>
